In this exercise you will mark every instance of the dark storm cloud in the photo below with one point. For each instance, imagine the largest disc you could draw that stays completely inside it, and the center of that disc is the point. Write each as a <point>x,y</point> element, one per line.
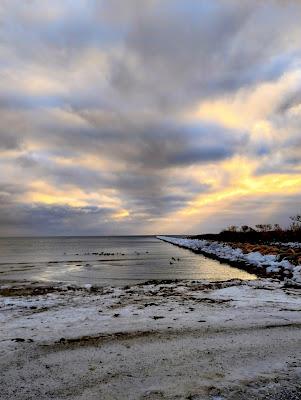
<point>181,53</point>
<point>19,101</point>
<point>63,175</point>
<point>168,145</point>
<point>54,32</point>
<point>9,192</point>
<point>9,142</point>
<point>151,145</point>
<point>155,196</point>
<point>113,79</point>
<point>146,184</point>
<point>171,53</point>
<point>54,219</point>
<point>141,191</point>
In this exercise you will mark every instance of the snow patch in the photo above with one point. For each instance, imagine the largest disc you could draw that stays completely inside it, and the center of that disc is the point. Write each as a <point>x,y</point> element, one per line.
<point>293,245</point>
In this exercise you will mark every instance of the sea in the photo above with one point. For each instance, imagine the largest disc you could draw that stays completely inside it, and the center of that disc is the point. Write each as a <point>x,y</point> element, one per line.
<point>114,261</point>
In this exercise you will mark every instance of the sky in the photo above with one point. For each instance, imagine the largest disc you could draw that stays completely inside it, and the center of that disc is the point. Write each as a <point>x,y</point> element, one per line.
<point>127,117</point>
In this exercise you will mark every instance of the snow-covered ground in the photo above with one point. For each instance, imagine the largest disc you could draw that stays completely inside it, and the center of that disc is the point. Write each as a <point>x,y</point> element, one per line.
<point>292,245</point>
<point>170,340</point>
<point>268,262</point>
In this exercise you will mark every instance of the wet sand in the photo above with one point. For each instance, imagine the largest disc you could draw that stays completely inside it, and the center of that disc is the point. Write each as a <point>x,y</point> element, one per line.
<point>172,340</point>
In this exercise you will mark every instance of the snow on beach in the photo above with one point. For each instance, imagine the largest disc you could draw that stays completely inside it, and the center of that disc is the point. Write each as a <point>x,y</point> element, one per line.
<point>73,310</point>
<point>294,245</point>
<point>166,340</point>
<point>270,263</point>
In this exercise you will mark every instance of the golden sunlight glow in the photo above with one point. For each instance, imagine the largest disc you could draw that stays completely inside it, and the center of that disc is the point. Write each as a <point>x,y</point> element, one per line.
<point>121,214</point>
<point>42,192</point>
<point>241,184</point>
<point>248,106</point>
<point>231,180</point>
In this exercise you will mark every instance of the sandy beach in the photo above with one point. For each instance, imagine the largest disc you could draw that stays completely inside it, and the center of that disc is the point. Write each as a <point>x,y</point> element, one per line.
<point>150,200</point>
<point>158,340</point>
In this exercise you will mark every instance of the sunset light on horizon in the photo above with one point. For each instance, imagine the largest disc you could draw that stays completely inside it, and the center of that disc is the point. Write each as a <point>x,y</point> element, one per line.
<point>148,117</point>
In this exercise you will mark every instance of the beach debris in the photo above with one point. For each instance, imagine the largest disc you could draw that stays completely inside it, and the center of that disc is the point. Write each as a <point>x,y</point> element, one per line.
<point>150,304</point>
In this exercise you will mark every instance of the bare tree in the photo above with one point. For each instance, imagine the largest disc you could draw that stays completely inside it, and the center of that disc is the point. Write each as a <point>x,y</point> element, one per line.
<point>296,224</point>
<point>246,228</point>
<point>232,228</point>
<point>264,227</point>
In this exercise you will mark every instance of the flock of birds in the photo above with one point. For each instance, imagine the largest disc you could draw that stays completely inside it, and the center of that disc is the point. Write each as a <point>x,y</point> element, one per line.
<point>172,261</point>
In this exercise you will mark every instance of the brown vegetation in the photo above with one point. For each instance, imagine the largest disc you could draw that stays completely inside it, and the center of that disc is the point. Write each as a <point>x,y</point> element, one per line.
<point>261,234</point>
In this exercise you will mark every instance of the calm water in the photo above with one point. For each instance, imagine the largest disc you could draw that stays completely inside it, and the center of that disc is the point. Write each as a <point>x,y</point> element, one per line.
<point>119,261</point>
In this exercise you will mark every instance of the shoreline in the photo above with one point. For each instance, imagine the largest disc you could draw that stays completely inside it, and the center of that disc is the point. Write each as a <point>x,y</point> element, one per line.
<point>157,340</point>
<point>236,264</point>
<point>160,339</point>
<point>262,265</point>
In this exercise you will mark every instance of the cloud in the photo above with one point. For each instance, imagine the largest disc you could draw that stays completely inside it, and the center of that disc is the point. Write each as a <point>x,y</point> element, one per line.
<point>137,109</point>
<point>9,142</point>
<point>54,219</point>
<point>180,53</point>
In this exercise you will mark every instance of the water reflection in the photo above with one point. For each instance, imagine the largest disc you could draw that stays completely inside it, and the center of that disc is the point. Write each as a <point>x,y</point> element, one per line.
<point>106,260</point>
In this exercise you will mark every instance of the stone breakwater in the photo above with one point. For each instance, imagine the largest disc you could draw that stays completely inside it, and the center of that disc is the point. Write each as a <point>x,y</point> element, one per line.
<point>280,261</point>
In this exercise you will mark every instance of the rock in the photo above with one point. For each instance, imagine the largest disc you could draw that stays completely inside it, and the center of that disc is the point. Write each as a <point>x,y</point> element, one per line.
<point>150,304</point>
<point>291,251</point>
<point>290,283</point>
<point>281,256</point>
<point>291,258</point>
